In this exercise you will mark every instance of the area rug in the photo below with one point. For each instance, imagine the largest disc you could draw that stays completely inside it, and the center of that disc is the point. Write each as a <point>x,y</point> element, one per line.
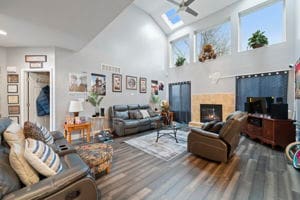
<point>166,148</point>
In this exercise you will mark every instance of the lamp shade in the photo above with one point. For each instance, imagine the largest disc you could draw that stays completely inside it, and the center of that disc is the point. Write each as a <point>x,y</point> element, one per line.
<point>75,106</point>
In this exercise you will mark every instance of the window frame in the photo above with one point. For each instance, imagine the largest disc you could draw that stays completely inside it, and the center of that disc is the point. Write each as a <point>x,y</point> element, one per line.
<point>227,19</point>
<point>257,8</point>
<point>171,57</point>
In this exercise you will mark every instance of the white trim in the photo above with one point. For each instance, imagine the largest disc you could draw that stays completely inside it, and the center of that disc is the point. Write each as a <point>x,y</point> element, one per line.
<point>52,94</point>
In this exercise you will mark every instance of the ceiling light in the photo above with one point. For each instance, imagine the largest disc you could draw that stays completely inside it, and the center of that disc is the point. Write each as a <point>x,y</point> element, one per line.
<point>3,32</point>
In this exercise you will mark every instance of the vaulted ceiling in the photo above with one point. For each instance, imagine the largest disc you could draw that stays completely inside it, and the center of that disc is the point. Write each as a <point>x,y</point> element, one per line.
<point>156,8</point>
<point>64,23</point>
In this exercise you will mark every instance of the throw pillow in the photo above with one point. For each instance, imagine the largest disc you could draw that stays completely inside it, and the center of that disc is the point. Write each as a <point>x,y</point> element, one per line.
<point>122,114</point>
<point>42,158</point>
<point>145,113</point>
<point>208,125</point>
<point>14,134</point>
<point>38,132</point>
<point>26,173</point>
<point>216,127</point>
<point>9,180</point>
<point>152,113</point>
<point>134,114</point>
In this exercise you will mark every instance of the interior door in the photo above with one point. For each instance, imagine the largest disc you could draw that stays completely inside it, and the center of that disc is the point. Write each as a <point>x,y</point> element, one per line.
<point>36,82</point>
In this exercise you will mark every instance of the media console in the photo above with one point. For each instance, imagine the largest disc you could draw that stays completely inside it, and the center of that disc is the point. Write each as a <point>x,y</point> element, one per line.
<point>277,132</point>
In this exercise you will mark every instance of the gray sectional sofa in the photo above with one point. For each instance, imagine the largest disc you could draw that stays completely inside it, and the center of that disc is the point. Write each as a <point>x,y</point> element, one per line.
<point>123,124</point>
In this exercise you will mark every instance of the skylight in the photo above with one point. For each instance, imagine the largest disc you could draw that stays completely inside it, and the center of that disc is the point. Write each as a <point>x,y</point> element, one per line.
<point>172,19</point>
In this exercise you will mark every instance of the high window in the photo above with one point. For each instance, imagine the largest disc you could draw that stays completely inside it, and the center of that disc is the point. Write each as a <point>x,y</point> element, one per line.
<point>181,48</point>
<point>269,19</point>
<point>219,37</point>
<point>172,19</point>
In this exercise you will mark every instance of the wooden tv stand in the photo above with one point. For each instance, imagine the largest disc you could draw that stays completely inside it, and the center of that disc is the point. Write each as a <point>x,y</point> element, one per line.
<point>277,132</point>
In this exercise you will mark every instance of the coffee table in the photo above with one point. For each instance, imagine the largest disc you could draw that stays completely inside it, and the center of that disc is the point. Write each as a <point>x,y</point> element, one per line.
<point>171,130</point>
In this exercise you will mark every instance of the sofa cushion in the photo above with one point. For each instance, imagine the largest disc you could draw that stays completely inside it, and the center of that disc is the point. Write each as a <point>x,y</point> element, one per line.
<point>9,181</point>
<point>144,122</point>
<point>122,114</point>
<point>37,132</point>
<point>120,107</point>
<point>135,114</point>
<point>42,157</point>
<point>145,113</point>
<point>145,106</point>
<point>4,123</point>
<point>14,134</point>
<point>133,107</point>
<point>131,123</point>
<point>26,173</point>
<point>216,127</point>
<point>152,113</point>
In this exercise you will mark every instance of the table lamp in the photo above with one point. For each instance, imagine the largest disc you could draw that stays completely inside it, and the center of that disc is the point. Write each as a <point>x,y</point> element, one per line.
<point>75,107</point>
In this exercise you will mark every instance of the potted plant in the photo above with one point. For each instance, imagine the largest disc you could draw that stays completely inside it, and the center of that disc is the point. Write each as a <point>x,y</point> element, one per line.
<point>95,99</point>
<point>258,39</point>
<point>155,100</point>
<point>180,61</point>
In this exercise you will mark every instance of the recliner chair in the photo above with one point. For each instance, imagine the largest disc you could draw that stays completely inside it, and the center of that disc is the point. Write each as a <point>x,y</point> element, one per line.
<point>218,147</point>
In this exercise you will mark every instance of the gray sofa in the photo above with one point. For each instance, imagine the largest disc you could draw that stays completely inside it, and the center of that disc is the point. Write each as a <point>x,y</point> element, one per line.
<point>74,182</point>
<point>124,125</point>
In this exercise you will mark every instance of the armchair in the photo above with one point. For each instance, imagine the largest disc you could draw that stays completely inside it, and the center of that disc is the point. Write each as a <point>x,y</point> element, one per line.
<point>218,147</point>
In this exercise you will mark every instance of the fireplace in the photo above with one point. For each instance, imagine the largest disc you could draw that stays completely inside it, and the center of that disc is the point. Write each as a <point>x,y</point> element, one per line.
<point>210,112</point>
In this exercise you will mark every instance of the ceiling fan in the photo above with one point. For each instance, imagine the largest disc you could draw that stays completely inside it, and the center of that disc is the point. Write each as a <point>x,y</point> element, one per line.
<point>184,6</point>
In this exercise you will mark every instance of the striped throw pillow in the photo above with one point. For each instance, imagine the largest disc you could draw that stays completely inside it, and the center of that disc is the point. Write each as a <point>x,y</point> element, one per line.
<point>37,132</point>
<point>46,134</point>
<point>42,158</point>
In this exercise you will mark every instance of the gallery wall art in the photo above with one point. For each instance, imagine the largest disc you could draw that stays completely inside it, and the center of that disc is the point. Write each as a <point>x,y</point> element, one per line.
<point>143,85</point>
<point>131,83</point>
<point>116,82</point>
<point>98,84</point>
<point>77,82</point>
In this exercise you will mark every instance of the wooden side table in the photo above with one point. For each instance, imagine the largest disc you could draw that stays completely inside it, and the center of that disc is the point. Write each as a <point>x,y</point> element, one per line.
<point>69,128</point>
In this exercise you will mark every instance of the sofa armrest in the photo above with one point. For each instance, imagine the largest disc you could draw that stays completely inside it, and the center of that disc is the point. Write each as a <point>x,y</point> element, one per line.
<point>57,135</point>
<point>54,183</point>
<point>205,133</point>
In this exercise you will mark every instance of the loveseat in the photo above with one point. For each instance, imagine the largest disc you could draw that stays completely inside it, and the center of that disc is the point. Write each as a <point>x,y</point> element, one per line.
<point>124,123</point>
<point>73,182</point>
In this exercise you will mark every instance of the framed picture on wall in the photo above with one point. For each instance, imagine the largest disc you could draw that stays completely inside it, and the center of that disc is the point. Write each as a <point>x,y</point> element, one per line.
<point>14,110</point>
<point>12,78</point>
<point>14,118</point>
<point>154,87</point>
<point>13,99</point>
<point>77,82</point>
<point>35,58</point>
<point>34,65</point>
<point>12,88</point>
<point>116,82</point>
<point>143,85</point>
<point>131,83</point>
<point>98,82</point>
<point>297,80</point>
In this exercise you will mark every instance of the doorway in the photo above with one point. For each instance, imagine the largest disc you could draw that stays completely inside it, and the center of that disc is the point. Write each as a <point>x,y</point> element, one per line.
<point>37,98</point>
<point>180,101</point>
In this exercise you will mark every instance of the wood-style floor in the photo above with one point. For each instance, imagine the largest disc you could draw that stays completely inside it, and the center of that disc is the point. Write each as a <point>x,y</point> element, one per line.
<point>255,172</point>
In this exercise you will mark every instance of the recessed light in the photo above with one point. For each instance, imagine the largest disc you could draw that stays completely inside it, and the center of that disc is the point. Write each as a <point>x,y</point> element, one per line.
<point>3,32</point>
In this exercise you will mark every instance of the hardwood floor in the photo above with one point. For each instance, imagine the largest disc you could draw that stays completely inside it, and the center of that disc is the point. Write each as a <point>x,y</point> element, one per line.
<point>255,172</point>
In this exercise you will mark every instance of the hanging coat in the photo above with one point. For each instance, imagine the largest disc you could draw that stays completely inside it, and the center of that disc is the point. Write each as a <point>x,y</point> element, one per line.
<point>43,102</point>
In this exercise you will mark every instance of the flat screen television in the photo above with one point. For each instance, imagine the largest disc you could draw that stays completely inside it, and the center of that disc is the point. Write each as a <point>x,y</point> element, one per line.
<point>261,105</point>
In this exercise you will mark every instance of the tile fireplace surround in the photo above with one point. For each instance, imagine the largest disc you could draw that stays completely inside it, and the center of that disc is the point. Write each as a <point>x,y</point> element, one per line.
<point>227,100</point>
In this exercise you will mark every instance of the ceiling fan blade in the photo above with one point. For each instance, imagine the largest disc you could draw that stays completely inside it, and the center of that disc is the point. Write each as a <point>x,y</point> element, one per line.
<point>191,11</point>
<point>174,2</point>
<point>188,2</point>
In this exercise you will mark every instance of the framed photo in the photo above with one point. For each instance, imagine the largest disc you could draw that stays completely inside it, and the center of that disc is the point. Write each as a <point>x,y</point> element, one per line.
<point>35,58</point>
<point>154,87</point>
<point>98,82</point>
<point>131,83</point>
<point>297,80</point>
<point>35,65</point>
<point>12,88</point>
<point>13,99</point>
<point>116,82</point>
<point>14,110</point>
<point>77,82</point>
<point>143,85</point>
<point>12,78</point>
<point>161,86</point>
<point>14,118</point>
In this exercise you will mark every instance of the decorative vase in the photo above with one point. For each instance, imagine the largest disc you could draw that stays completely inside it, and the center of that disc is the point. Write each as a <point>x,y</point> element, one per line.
<point>97,111</point>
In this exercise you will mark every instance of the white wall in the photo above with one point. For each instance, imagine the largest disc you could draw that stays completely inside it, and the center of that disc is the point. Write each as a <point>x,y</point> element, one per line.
<point>265,59</point>
<point>3,111</point>
<point>132,42</point>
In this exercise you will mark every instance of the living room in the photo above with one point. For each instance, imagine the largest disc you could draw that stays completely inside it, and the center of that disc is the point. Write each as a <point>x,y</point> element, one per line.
<point>149,53</point>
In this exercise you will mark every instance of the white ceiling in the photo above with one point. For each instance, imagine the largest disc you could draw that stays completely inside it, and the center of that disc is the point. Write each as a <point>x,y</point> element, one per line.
<point>156,8</point>
<point>64,23</point>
